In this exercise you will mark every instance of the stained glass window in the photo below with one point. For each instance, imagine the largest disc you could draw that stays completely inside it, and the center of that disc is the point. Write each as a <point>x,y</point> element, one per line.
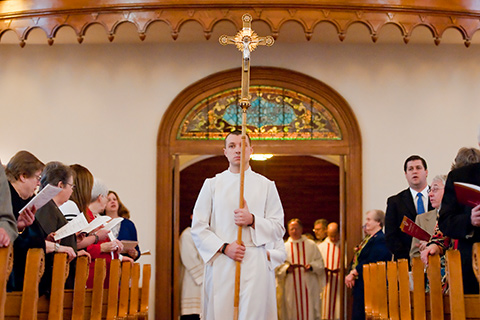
<point>275,114</point>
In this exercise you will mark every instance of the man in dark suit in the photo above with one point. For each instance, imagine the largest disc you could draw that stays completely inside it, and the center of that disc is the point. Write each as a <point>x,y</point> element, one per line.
<point>462,222</point>
<point>409,202</point>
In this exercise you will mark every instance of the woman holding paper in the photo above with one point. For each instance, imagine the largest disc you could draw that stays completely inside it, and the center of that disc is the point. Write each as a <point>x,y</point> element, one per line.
<point>126,230</point>
<point>59,176</point>
<point>107,249</point>
<point>23,173</point>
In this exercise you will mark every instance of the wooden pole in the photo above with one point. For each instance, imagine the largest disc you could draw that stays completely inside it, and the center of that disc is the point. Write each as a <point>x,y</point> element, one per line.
<point>238,264</point>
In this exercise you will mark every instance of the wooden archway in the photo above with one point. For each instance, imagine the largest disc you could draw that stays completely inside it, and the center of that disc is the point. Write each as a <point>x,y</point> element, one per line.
<point>168,147</point>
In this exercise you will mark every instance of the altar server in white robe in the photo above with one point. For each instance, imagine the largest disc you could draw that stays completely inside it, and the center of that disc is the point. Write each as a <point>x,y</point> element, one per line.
<point>192,277</point>
<point>303,275</point>
<point>216,218</point>
<point>330,250</point>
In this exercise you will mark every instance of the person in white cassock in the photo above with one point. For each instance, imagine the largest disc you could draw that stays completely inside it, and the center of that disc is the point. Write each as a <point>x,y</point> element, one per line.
<point>192,277</point>
<point>303,276</point>
<point>330,250</point>
<point>216,218</point>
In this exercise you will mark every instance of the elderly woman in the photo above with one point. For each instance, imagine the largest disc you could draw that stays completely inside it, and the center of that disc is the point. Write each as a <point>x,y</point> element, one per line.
<point>51,219</point>
<point>23,173</point>
<point>428,221</point>
<point>372,249</point>
<point>126,229</point>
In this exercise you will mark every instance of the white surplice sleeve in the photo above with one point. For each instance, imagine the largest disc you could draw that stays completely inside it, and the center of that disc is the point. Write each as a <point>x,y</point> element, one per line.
<point>206,241</point>
<point>190,258</point>
<point>277,253</point>
<point>269,224</point>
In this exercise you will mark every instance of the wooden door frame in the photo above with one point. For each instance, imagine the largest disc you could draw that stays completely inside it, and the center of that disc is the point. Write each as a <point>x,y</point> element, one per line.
<point>168,147</point>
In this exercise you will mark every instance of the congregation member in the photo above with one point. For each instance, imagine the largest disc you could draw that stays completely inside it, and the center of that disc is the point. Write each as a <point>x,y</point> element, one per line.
<point>320,230</point>
<point>330,250</point>
<point>302,275</point>
<point>79,201</point>
<point>373,248</point>
<point>409,203</point>
<point>125,230</point>
<point>106,249</point>
<point>192,277</point>
<point>80,198</point>
<point>23,172</point>
<point>465,156</point>
<point>462,222</point>
<point>216,218</point>
<point>8,225</point>
<point>428,220</point>
<point>51,219</point>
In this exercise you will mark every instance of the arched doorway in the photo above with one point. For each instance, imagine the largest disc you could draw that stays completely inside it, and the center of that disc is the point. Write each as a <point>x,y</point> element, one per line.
<point>170,147</point>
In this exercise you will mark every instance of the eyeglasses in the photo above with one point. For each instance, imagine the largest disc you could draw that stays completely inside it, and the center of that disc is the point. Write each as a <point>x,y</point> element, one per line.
<point>71,185</point>
<point>39,177</point>
<point>317,230</point>
<point>435,189</point>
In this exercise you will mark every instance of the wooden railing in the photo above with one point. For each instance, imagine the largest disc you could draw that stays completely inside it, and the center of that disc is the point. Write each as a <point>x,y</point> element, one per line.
<point>124,299</point>
<point>388,293</point>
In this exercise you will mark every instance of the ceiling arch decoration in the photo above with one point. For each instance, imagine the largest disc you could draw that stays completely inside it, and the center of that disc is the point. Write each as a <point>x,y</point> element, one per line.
<point>21,17</point>
<point>275,114</point>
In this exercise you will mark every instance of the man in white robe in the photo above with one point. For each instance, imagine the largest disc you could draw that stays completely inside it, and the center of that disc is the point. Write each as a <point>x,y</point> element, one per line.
<point>330,250</point>
<point>303,275</point>
<point>216,219</point>
<point>192,277</point>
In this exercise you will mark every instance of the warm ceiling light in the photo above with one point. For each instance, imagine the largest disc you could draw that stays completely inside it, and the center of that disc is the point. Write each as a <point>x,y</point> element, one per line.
<point>260,157</point>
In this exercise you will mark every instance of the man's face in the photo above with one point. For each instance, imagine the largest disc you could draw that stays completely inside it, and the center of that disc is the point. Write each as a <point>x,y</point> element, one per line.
<point>416,175</point>
<point>295,230</point>
<point>320,231</point>
<point>233,150</point>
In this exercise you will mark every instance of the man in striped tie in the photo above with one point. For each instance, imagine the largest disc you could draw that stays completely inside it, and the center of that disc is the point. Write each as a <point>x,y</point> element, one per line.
<point>303,276</point>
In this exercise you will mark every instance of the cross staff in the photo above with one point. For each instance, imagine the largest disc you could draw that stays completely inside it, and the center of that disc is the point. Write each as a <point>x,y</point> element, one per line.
<point>246,40</point>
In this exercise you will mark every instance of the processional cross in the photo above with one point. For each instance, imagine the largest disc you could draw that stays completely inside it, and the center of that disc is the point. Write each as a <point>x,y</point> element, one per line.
<point>246,40</point>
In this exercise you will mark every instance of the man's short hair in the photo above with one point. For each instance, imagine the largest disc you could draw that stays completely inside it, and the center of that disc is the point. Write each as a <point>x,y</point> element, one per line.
<point>22,163</point>
<point>323,222</point>
<point>295,220</point>
<point>413,158</point>
<point>237,133</point>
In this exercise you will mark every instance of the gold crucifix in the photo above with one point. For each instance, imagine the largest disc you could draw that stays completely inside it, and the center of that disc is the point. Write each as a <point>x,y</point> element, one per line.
<point>246,40</point>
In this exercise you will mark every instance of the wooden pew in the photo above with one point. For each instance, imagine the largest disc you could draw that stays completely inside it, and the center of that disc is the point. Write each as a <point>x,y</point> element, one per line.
<point>434,305</point>
<point>145,292</point>
<point>79,303</point>
<point>367,291</point>
<point>6,261</point>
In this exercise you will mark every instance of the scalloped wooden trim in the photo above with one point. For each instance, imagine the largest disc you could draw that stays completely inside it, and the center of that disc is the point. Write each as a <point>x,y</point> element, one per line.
<point>274,13</point>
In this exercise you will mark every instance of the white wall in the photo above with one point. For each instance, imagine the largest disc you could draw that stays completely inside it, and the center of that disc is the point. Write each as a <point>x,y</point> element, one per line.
<point>101,105</point>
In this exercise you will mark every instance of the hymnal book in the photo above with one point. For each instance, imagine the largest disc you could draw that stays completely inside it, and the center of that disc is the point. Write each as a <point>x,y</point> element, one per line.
<point>45,195</point>
<point>127,245</point>
<point>467,194</point>
<point>72,227</point>
<point>412,229</point>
